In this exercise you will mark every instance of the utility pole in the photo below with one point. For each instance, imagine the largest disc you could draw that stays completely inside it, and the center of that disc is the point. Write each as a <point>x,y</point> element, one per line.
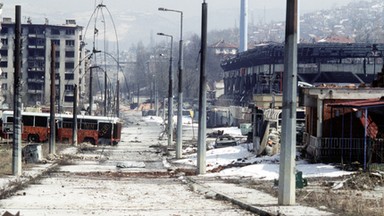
<point>201,143</point>
<point>52,138</point>
<point>16,154</point>
<point>59,98</point>
<point>74,122</point>
<point>138,95</point>
<point>156,98</point>
<point>90,90</point>
<point>179,144</point>
<point>170,98</point>
<point>118,99</point>
<point>287,184</point>
<point>105,92</point>
<point>150,85</point>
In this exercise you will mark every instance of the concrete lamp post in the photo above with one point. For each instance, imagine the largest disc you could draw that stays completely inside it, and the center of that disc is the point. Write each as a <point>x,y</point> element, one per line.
<point>170,97</point>
<point>180,95</point>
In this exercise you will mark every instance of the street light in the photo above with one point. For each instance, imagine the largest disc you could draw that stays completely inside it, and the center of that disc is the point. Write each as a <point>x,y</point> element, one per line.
<point>180,97</point>
<point>170,97</point>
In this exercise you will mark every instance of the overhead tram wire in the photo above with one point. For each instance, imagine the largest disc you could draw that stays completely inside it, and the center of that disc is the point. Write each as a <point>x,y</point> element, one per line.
<point>117,41</point>
<point>88,56</point>
<point>95,14</point>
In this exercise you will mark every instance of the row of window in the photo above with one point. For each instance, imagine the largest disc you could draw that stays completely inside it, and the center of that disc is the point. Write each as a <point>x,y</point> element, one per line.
<point>36,30</point>
<point>69,88</point>
<point>67,42</point>
<point>68,54</point>
<point>38,65</point>
<point>41,42</point>
<point>34,65</point>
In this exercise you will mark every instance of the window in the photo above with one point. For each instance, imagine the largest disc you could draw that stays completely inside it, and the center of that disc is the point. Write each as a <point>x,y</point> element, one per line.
<point>4,41</point>
<point>4,75</point>
<point>88,124</point>
<point>4,86</point>
<point>57,54</point>
<point>67,123</point>
<point>70,32</point>
<point>31,30</point>
<point>57,65</point>
<point>9,119</point>
<point>69,65</point>
<point>69,88</point>
<point>31,64</point>
<point>27,120</point>
<point>4,30</point>
<point>41,121</point>
<point>70,42</point>
<point>4,64</point>
<point>32,41</point>
<point>40,42</point>
<point>40,64</point>
<point>69,76</point>
<point>56,42</point>
<point>4,52</point>
<point>55,32</point>
<point>68,98</point>
<point>69,54</point>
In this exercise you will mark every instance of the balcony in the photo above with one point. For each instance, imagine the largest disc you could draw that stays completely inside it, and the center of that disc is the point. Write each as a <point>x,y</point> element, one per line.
<point>33,58</point>
<point>36,35</point>
<point>33,46</point>
<point>36,69</point>
<point>35,91</point>
<point>35,80</point>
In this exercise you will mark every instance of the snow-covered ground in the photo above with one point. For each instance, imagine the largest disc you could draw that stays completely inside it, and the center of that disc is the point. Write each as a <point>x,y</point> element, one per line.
<point>266,167</point>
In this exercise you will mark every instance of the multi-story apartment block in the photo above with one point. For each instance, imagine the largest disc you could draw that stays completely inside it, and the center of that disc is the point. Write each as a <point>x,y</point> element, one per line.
<point>36,58</point>
<point>1,12</point>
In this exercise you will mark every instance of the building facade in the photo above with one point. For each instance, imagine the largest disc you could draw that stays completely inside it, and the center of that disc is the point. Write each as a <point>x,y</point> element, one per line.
<point>259,71</point>
<point>36,62</point>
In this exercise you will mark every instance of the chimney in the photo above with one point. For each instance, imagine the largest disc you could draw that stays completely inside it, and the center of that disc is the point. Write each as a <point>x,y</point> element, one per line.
<point>243,26</point>
<point>70,22</point>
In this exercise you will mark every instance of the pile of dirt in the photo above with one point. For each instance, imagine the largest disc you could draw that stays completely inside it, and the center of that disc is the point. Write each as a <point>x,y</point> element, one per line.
<point>361,193</point>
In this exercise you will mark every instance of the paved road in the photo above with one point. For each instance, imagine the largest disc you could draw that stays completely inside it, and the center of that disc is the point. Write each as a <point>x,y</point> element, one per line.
<point>128,179</point>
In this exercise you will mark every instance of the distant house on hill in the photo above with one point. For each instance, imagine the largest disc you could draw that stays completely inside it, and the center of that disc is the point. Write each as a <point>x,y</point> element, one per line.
<point>223,48</point>
<point>335,39</point>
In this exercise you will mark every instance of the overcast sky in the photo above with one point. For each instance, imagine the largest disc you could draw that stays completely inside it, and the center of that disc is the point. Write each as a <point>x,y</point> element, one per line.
<point>139,19</point>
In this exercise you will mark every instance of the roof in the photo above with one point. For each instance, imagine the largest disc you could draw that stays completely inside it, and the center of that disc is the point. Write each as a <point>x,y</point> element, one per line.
<point>336,77</point>
<point>367,103</point>
<point>336,39</point>
<point>223,44</point>
<point>307,53</point>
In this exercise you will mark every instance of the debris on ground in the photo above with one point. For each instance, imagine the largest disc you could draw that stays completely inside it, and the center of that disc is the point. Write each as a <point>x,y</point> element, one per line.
<point>215,134</point>
<point>225,140</point>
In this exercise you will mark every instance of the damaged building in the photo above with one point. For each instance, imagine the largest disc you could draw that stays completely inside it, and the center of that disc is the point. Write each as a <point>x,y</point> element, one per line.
<point>341,90</point>
<point>344,124</point>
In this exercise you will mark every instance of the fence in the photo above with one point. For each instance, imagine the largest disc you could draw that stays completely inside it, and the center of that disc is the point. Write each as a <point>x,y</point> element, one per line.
<point>346,150</point>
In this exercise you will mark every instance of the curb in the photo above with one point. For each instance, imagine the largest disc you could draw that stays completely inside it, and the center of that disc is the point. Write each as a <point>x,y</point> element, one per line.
<point>222,196</point>
<point>17,183</point>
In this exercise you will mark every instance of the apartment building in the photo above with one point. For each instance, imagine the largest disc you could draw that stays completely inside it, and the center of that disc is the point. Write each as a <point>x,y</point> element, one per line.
<point>36,58</point>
